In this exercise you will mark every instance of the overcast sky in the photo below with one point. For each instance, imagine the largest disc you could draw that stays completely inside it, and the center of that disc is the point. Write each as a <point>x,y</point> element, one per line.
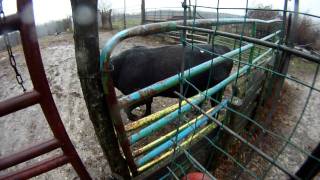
<point>46,10</point>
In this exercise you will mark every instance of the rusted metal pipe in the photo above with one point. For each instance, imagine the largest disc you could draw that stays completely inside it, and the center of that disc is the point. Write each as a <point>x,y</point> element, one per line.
<point>12,24</point>
<point>38,168</point>
<point>19,102</point>
<point>27,154</point>
<point>181,135</point>
<point>151,118</point>
<point>184,145</point>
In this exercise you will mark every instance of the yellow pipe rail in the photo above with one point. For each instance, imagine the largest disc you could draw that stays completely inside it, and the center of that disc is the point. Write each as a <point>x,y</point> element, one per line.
<point>153,117</point>
<point>167,136</point>
<point>189,141</point>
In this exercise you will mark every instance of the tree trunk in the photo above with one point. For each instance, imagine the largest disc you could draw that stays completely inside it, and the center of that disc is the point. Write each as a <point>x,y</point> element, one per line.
<point>86,42</point>
<point>109,19</point>
<point>106,19</point>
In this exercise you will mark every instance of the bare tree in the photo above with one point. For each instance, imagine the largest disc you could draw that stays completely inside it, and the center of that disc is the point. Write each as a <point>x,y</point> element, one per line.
<point>265,13</point>
<point>67,24</point>
<point>105,12</point>
<point>306,34</point>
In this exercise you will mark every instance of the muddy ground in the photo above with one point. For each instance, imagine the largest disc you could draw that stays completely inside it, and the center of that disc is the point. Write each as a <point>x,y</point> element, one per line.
<point>28,126</point>
<point>25,127</point>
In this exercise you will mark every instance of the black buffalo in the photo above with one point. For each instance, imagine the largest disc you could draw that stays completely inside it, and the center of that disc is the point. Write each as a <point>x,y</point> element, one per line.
<point>140,67</point>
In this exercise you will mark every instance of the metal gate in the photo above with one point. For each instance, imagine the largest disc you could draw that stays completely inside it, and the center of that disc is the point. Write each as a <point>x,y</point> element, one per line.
<point>263,62</point>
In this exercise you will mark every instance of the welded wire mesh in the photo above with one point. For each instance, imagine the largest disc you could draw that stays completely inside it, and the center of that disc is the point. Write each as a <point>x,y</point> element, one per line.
<point>260,121</point>
<point>241,135</point>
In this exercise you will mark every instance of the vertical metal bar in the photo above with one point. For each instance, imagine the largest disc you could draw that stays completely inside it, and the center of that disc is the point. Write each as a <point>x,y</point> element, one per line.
<point>124,15</point>
<point>118,124</point>
<point>181,79</point>
<point>184,32</point>
<point>253,34</point>
<point>143,12</point>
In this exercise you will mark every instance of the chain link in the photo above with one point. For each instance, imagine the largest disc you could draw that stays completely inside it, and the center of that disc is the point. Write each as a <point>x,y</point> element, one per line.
<point>9,49</point>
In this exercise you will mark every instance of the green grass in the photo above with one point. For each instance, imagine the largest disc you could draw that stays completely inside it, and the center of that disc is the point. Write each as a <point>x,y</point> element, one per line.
<point>118,24</point>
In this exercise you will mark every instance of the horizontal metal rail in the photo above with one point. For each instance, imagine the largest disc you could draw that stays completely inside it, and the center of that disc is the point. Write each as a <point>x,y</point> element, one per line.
<point>258,66</point>
<point>285,48</point>
<point>227,8</point>
<point>165,137</point>
<point>195,99</point>
<point>184,145</point>
<point>181,135</point>
<point>152,117</point>
<point>38,168</point>
<point>27,154</point>
<point>19,102</point>
<point>188,39</point>
<point>12,24</point>
<point>258,9</point>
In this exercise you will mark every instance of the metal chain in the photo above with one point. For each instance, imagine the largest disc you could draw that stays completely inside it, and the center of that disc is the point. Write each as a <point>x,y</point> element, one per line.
<point>9,49</point>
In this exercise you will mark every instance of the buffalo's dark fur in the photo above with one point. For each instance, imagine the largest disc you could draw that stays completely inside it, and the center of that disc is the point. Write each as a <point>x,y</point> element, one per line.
<point>139,67</point>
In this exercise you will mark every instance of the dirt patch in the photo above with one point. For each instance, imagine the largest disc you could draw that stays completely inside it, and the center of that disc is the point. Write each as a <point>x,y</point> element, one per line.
<point>28,126</point>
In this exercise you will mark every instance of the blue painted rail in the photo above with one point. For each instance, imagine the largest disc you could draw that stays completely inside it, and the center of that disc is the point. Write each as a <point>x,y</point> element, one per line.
<point>169,143</point>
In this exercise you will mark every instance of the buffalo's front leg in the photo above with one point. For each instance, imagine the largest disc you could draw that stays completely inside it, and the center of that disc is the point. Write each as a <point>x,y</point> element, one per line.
<point>148,107</point>
<point>130,115</point>
<point>134,117</point>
